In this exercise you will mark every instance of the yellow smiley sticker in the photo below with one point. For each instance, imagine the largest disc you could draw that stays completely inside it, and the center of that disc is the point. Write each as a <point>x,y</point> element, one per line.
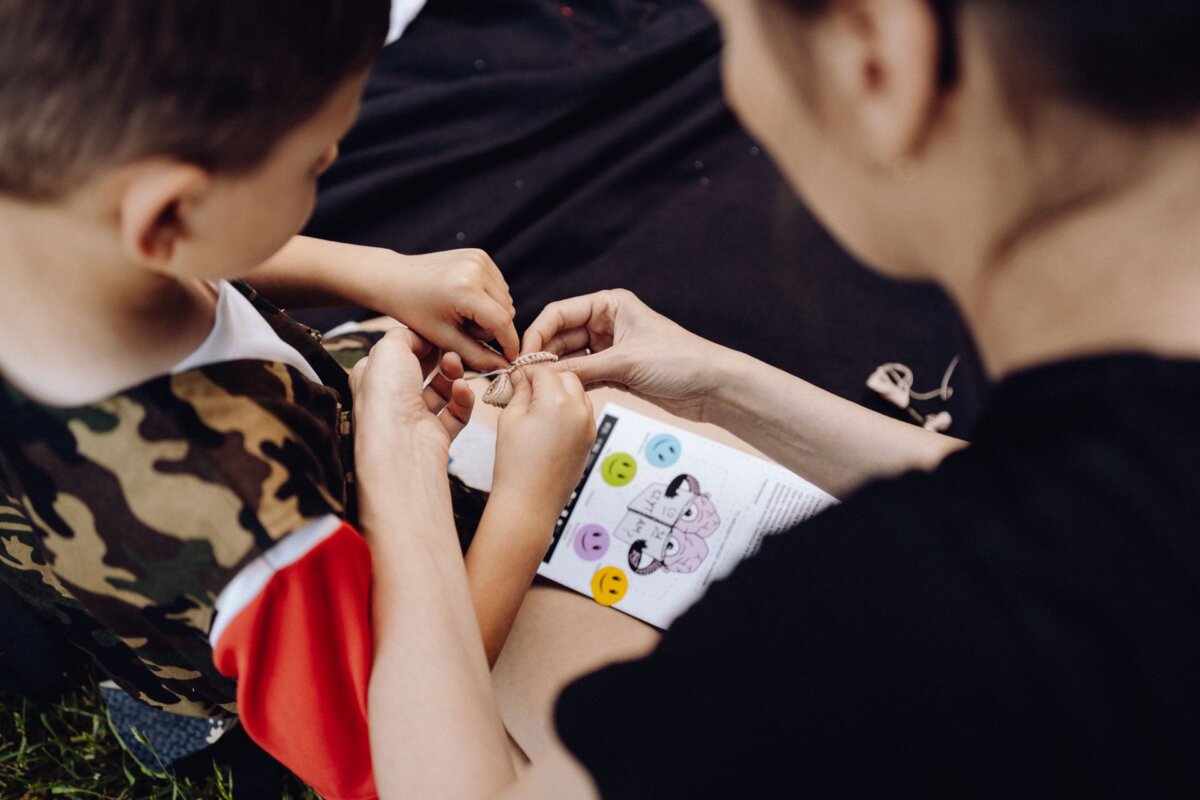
<point>609,585</point>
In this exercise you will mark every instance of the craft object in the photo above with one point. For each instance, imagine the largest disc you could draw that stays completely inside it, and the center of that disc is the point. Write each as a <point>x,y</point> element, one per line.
<point>500,392</point>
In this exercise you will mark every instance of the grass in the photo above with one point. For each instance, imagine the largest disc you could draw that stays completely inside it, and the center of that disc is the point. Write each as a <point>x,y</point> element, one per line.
<point>66,749</point>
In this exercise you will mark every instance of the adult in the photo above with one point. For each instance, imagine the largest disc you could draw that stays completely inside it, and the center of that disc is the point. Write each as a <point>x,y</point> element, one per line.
<point>1013,618</point>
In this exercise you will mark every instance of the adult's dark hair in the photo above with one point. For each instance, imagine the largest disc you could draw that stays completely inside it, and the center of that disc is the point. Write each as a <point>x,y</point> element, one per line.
<point>89,84</point>
<point>1135,60</point>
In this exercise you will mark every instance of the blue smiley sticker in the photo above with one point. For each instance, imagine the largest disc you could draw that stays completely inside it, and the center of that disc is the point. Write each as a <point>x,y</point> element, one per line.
<point>663,450</point>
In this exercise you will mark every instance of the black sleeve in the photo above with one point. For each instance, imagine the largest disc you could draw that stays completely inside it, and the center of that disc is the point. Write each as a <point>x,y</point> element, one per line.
<point>848,659</point>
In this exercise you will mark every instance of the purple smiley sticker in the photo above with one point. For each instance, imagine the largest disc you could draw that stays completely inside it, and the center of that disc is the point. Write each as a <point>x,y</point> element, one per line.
<point>591,542</point>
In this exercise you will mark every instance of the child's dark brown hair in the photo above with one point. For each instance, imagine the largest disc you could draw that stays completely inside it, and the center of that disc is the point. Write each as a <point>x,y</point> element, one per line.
<point>91,84</point>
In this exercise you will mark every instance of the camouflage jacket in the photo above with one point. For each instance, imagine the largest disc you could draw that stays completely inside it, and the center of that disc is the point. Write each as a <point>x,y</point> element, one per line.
<point>124,519</point>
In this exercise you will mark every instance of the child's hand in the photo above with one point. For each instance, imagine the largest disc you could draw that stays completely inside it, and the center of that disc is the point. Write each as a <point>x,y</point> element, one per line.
<point>454,299</point>
<point>543,438</point>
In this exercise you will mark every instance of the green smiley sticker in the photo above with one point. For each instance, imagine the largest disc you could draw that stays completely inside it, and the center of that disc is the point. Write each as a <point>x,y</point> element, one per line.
<point>618,469</point>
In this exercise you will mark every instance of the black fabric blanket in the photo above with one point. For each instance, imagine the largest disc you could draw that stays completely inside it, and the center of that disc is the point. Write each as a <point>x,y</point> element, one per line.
<point>586,145</point>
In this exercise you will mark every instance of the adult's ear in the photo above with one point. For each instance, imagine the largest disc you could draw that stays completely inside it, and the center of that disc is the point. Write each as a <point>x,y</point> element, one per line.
<point>883,58</point>
<point>154,209</point>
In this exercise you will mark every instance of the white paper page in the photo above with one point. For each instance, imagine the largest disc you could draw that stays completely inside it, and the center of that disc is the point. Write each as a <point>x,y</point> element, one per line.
<point>662,512</point>
<point>473,456</point>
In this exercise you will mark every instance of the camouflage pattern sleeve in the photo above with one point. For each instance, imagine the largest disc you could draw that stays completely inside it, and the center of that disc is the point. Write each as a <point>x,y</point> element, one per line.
<point>125,519</point>
<point>350,348</point>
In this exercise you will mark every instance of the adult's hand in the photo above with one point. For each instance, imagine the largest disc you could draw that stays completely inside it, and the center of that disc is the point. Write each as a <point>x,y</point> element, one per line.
<point>632,348</point>
<point>837,444</point>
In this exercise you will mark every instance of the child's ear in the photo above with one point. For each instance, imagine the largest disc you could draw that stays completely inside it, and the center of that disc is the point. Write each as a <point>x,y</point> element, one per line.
<point>154,210</point>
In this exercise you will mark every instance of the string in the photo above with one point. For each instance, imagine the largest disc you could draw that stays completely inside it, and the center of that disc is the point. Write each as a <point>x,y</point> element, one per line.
<point>945,392</point>
<point>894,381</point>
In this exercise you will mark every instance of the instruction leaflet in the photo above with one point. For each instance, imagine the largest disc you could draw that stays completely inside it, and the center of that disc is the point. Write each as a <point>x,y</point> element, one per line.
<point>662,512</point>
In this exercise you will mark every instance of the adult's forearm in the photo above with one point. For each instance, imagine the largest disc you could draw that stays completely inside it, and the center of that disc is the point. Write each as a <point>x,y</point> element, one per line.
<point>310,272</point>
<point>435,726</point>
<point>833,442</point>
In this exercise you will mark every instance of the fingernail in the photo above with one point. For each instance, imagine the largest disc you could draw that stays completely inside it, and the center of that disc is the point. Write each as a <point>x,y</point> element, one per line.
<point>517,377</point>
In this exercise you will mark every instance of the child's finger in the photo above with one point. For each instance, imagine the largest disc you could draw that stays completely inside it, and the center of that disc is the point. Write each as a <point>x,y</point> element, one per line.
<point>418,344</point>
<point>498,322</point>
<point>357,374</point>
<point>429,360</point>
<point>400,350</point>
<point>451,366</point>
<point>547,388</point>
<point>522,393</point>
<point>438,393</point>
<point>509,341</point>
<point>493,277</point>
<point>457,412</point>
<point>499,292</point>
<point>477,355</point>
<point>474,330</point>
<point>572,386</point>
<point>379,324</point>
<point>497,276</point>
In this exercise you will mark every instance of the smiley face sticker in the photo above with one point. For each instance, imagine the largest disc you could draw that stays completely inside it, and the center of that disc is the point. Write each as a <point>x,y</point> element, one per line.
<point>663,450</point>
<point>609,585</point>
<point>618,469</point>
<point>591,542</point>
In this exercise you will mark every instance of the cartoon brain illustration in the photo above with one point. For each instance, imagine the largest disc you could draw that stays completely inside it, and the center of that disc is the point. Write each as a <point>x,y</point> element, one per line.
<point>700,518</point>
<point>666,527</point>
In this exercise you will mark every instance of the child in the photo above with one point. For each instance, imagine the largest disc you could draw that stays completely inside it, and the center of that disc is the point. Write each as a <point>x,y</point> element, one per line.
<point>175,453</point>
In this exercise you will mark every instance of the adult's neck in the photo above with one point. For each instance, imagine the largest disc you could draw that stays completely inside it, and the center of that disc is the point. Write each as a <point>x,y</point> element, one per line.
<point>1118,271</point>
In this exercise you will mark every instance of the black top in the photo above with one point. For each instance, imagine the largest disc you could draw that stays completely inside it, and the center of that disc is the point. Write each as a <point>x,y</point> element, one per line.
<point>1022,622</point>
